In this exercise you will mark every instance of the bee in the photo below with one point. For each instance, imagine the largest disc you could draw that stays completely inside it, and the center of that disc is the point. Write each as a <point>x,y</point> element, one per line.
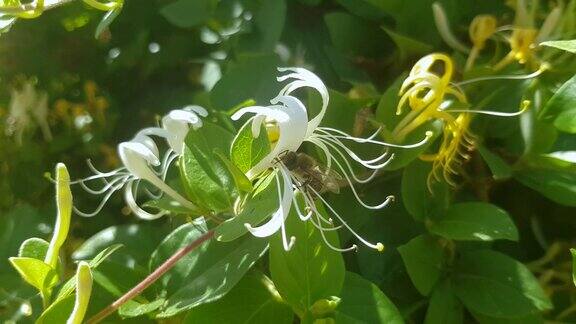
<point>309,173</point>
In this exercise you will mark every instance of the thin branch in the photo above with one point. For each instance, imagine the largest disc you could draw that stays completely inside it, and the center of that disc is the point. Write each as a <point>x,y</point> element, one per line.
<point>161,270</point>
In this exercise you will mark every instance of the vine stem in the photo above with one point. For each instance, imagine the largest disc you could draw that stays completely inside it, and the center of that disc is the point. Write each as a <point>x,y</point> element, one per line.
<point>161,270</point>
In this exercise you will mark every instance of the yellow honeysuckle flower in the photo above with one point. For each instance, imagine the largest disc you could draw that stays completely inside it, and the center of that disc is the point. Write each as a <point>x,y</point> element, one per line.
<point>456,144</point>
<point>526,36</point>
<point>83,292</point>
<point>429,92</point>
<point>481,29</point>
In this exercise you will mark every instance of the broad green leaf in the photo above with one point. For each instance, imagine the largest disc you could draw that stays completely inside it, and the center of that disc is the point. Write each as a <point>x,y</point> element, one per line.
<point>444,307</point>
<point>363,302</point>
<point>475,221</point>
<point>257,207</point>
<point>134,309</point>
<point>243,184</point>
<point>528,319</point>
<point>500,169</point>
<point>117,278</point>
<point>354,36</point>
<point>138,241</point>
<point>188,13</point>
<point>15,228</point>
<point>251,77</point>
<point>166,203</point>
<point>34,247</point>
<point>206,178</point>
<point>58,312</point>
<point>253,300</point>
<point>408,47</point>
<point>573,252</point>
<point>561,108</point>
<point>494,284</point>
<point>205,274</point>
<point>556,185</point>
<point>310,270</point>
<point>268,21</point>
<point>35,272</point>
<point>70,285</point>
<point>246,150</point>
<point>424,259</point>
<point>417,198</point>
<point>565,45</point>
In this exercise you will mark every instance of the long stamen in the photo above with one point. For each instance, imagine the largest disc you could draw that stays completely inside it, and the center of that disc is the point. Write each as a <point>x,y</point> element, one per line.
<point>532,75</point>
<point>104,200</point>
<point>367,140</point>
<point>378,246</point>
<point>351,185</point>
<point>334,145</point>
<point>318,142</point>
<point>523,107</point>
<point>367,163</point>
<point>106,187</point>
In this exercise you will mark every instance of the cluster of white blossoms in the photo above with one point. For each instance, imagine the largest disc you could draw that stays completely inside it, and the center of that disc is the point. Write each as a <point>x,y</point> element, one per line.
<point>25,103</point>
<point>142,161</point>
<point>291,119</point>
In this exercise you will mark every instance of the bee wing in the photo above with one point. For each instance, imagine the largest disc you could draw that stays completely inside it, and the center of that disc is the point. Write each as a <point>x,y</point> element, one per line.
<point>330,178</point>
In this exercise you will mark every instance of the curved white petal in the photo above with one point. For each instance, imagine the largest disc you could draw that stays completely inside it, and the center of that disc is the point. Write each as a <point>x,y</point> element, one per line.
<point>291,118</point>
<point>286,194</point>
<point>130,199</point>
<point>303,78</point>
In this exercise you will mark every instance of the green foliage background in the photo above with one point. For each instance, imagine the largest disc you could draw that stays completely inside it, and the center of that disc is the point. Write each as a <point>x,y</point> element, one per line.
<point>493,250</point>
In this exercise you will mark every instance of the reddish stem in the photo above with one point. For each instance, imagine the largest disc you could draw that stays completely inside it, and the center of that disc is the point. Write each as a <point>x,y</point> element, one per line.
<point>161,270</point>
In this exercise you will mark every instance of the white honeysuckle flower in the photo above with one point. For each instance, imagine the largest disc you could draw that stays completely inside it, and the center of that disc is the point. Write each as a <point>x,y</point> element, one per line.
<point>141,159</point>
<point>290,116</point>
<point>23,103</point>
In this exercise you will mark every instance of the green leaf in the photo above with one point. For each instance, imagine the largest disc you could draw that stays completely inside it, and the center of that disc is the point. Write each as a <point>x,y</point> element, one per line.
<point>34,247</point>
<point>70,286</point>
<point>206,178</point>
<point>58,312</point>
<point>188,13</point>
<point>354,36</point>
<point>246,150</point>
<point>565,45</point>
<point>475,221</point>
<point>35,272</point>
<point>444,307</point>
<point>165,203</point>
<point>573,252</point>
<point>500,169</point>
<point>363,302</point>
<point>269,18</point>
<point>556,185</point>
<point>423,257</point>
<point>561,108</point>
<point>417,198</point>
<point>253,300</point>
<point>205,274</point>
<point>251,77</point>
<point>258,207</point>
<point>496,285</point>
<point>310,270</point>
<point>134,309</point>
<point>138,241</point>
<point>408,47</point>
<point>243,184</point>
